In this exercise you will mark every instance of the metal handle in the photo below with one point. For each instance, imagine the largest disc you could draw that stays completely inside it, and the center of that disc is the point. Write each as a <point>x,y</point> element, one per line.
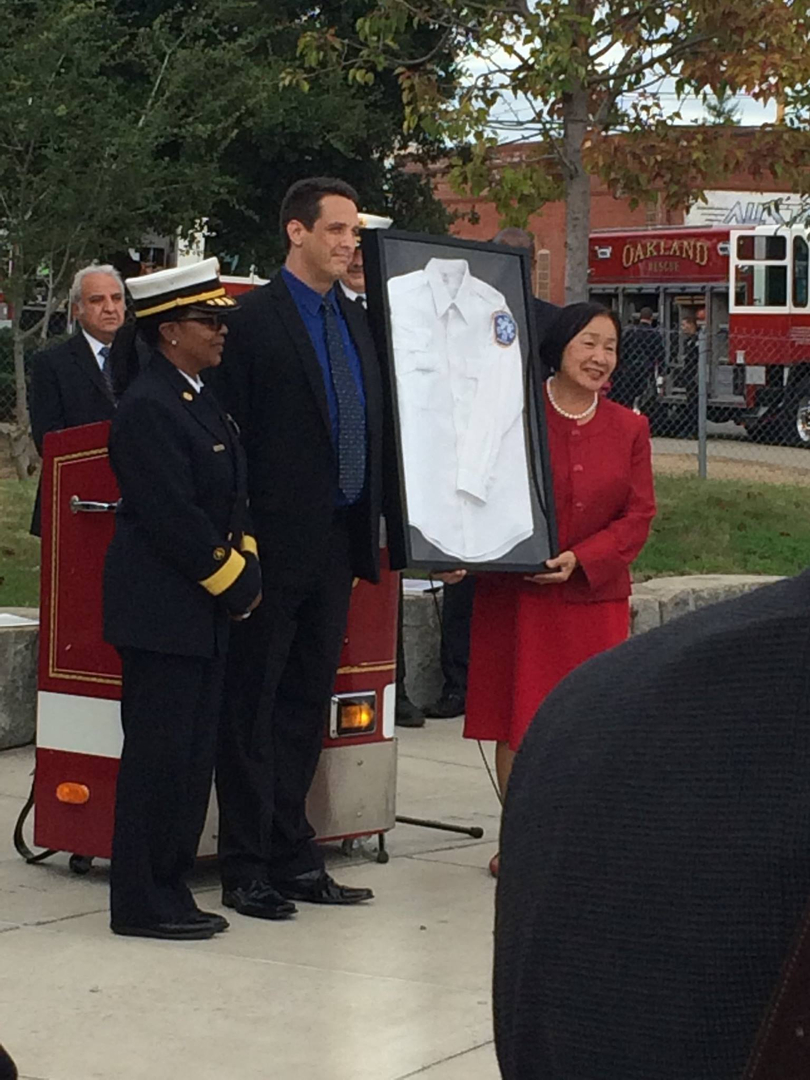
<point>86,506</point>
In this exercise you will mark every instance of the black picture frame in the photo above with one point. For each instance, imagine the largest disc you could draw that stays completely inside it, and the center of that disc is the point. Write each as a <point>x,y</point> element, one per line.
<point>513,528</point>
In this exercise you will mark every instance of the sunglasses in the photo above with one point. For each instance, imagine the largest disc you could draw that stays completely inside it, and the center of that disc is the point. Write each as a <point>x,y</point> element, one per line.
<point>212,321</point>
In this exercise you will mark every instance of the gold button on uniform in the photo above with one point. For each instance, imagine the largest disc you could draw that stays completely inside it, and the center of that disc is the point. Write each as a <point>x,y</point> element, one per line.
<point>219,554</point>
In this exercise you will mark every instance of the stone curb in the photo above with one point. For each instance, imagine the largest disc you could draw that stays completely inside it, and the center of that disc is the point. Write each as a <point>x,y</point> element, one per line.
<point>653,603</point>
<point>18,680</point>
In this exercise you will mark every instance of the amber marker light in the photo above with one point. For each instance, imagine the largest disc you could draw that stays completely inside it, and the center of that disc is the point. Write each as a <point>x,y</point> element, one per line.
<point>353,714</point>
<point>73,794</point>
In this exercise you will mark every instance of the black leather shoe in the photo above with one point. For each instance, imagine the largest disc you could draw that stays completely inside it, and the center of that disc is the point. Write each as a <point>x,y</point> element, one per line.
<point>317,887</point>
<point>407,714</point>
<point>187,930</point>
<point>259,900</point>
<point>219,922</point>
<point>446,708</point>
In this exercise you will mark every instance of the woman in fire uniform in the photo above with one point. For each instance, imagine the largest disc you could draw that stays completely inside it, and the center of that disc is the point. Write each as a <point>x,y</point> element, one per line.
<point>181,562</point>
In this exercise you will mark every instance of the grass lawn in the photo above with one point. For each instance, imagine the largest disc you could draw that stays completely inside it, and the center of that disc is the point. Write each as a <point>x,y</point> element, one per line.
<point>703,527</point>
<point>727,527</point>
<point>19,551</point>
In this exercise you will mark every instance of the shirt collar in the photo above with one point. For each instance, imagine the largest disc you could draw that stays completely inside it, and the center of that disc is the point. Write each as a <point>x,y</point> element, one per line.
<point>306,297</point>
<point>196,383</point>
<point>94,343</point>
<point>459,269</point>
<point>352,295</point>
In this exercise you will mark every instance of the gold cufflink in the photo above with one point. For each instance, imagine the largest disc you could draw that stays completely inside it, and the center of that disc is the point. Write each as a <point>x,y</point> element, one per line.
<point>219,554</point>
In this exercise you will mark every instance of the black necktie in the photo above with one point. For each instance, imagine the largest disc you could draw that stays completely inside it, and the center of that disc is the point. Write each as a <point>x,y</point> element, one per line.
<point>351,415</point>
<point>106,373</point>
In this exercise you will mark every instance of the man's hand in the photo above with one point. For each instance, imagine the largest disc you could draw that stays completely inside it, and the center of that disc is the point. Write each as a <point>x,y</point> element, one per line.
<point>451,577</point>
<point>562,568</point>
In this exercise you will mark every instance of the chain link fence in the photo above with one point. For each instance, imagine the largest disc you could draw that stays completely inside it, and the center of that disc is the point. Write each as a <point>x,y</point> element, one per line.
<point>57,329</point>
<point>724,405</point>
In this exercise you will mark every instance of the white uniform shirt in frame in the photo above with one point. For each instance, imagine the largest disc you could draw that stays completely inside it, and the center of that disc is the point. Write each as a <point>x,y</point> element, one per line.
<point>460,397</point>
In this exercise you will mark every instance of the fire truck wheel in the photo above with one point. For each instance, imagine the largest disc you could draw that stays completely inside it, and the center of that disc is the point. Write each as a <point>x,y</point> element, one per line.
<point>80,864</point>
<point>801,415</point>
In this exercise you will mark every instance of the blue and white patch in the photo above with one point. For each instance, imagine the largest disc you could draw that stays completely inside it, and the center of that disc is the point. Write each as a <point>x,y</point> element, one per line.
<point>505,329</point>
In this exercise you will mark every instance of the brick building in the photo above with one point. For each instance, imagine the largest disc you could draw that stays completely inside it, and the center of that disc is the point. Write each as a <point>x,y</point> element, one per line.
<point>548,225</point>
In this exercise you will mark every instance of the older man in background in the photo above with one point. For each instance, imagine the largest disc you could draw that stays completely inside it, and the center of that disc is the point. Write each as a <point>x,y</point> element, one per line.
<point>71,383</point>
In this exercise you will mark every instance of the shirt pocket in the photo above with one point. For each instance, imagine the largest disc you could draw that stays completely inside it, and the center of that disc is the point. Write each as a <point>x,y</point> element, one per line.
<point>414,349</point>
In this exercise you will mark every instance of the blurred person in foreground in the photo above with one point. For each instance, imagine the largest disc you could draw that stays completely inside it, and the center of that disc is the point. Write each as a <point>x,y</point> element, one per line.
<point>182,560</point>
<point>8,1070</point>
<point>655,858</point>
<point>530,631</point>
<point>71,383</point>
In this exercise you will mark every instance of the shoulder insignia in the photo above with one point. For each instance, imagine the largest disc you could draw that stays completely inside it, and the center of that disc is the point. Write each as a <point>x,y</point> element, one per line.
<point>504,327</point>
<point>187,395</point>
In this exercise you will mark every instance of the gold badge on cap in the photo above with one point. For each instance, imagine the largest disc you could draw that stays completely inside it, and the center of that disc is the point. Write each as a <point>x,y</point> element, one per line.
<point>187,395</point>
<point>219,554</point>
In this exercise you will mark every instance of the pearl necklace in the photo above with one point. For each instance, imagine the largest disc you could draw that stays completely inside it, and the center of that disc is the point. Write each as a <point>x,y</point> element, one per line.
<point>569,415</point>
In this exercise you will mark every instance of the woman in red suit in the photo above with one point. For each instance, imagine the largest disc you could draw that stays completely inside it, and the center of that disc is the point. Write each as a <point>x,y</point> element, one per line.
<point>528,633</point>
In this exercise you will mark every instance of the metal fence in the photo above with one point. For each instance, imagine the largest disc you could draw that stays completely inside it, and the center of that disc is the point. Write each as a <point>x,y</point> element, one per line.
<point>57,328</point>
<point>732,406</point>
<point>723,406</point>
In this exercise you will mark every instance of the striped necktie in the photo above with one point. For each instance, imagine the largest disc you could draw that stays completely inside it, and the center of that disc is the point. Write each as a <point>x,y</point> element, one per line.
<point>106,373</point>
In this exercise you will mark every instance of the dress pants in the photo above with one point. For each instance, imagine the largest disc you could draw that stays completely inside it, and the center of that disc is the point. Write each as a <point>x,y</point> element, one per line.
<point>170,709</point>
<point>278,687</point>
<point>457,606</point>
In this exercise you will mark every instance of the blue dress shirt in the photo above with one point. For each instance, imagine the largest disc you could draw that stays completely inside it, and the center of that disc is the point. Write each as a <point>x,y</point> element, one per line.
<point>309,303</point>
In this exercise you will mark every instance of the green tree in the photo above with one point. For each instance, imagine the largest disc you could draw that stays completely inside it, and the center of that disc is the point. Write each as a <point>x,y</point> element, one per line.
<point>101,139</point>
<point>576,74</point>
<point>338,127</point>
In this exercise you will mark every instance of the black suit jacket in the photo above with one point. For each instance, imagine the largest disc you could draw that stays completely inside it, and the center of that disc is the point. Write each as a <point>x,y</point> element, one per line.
<point>180,559</point>
<point>272,383</point>
<point>67,389</point>
<point>655,848</point>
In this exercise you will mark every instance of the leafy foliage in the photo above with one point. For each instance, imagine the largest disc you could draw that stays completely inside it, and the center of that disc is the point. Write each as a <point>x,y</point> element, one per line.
<point>575,74</point>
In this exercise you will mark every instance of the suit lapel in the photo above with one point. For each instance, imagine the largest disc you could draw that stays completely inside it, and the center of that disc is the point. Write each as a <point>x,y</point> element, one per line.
<point>204,414</point>
<point>288,313</point>
<point>84,358</point>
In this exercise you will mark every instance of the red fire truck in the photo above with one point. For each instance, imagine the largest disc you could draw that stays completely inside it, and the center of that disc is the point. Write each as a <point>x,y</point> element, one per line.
<point>747,288</point>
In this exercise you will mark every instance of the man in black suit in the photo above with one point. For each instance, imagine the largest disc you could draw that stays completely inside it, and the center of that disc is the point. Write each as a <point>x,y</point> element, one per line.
<point>301,378</point>
<point>654,853</point>
<point>71,383</point>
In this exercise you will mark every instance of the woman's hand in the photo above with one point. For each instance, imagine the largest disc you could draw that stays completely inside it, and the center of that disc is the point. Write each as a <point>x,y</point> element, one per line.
<point>451,577</point>
<point>562,568</point>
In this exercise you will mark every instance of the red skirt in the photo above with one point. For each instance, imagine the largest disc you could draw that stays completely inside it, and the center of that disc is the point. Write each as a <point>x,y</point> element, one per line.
<point>524,639</point>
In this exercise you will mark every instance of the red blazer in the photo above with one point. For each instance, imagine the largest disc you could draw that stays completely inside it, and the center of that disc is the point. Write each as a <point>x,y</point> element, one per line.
<point>604,496</point>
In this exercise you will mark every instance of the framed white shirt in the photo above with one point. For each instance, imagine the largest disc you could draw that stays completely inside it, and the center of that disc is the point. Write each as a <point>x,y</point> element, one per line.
<point>460,399</point>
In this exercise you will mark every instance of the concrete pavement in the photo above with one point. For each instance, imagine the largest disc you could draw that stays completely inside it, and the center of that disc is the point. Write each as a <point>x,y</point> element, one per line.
<point>393,991</point>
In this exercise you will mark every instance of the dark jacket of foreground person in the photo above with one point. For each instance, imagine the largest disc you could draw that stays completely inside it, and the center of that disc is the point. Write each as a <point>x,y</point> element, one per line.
<point>656,851</point>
